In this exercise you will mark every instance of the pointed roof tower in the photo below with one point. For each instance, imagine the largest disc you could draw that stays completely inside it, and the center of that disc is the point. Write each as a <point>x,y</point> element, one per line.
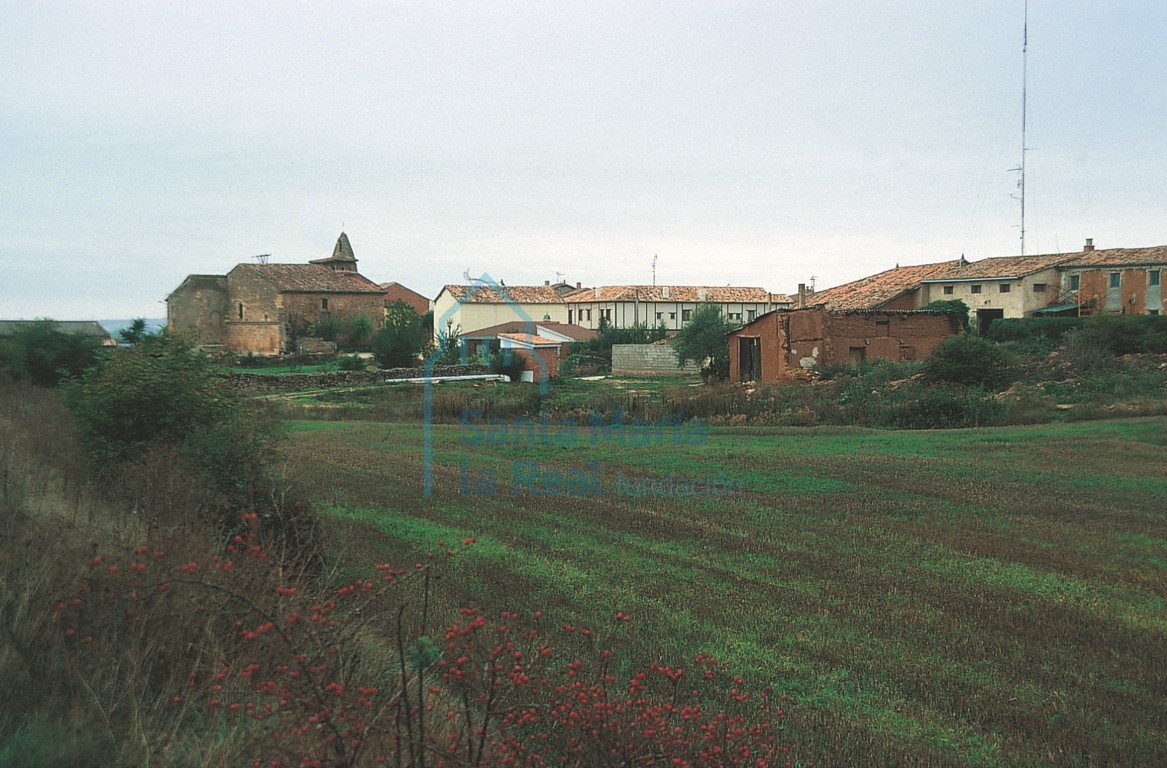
<point>342,259</point>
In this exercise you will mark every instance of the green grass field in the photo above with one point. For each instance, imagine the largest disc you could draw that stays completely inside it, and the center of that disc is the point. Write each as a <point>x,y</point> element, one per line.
<point>951,598</point>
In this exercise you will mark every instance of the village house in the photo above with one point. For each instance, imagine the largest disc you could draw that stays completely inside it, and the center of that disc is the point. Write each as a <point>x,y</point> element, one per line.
<point>266,309</point>
<point>789,344</point>
<point>1113,280</point>
<point>395,292</point>
<point>68,327</point>
<point>461,309</point>
<point>1117,280</point>
<point>1005,286</point>
<point>484,341</point>
<point>671,306</point>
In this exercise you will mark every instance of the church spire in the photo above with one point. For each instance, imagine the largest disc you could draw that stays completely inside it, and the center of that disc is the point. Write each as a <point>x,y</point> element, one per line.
<point>342,259</point>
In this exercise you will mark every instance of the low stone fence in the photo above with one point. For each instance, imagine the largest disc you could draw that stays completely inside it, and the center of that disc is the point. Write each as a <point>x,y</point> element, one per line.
<point>286,382</point>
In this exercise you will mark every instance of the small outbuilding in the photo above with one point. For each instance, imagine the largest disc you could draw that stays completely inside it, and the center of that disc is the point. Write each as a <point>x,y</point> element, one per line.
<point>784,345</point>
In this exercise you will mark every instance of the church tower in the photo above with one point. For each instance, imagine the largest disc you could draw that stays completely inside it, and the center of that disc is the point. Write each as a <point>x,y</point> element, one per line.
<point>342,259</point>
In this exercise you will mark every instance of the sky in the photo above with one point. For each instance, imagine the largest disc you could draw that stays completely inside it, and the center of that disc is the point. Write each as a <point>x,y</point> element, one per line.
<point>736,143</point>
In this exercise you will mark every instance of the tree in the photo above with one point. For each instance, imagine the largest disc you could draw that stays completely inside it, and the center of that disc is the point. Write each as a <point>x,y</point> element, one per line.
<point>135,332</point>
<point>39,353</point>
<point>703,341</point>
<point>968,360</point>
<point>402,339</point>
<point>359,331</point>
<point>164,392</point>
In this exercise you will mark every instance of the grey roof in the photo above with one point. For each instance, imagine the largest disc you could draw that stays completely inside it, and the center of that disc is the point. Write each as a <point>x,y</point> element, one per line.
<point>87,327</point>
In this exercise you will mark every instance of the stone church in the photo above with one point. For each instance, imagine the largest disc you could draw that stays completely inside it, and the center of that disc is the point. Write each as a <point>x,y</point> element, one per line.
<point>269,309</point>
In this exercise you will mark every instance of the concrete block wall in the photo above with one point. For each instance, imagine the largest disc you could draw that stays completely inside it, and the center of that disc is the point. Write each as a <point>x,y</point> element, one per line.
<point>647,359</point>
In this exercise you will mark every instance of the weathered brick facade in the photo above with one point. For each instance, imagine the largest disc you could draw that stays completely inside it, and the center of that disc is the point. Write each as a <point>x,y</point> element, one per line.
<point>786,345</point>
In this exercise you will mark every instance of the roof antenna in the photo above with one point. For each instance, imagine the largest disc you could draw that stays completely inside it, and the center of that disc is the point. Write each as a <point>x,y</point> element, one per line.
<point>654,269</point>
<point>261,258</point>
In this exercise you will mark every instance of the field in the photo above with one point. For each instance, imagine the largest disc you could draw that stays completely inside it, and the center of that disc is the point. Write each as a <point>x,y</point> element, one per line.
<point>947,598</point>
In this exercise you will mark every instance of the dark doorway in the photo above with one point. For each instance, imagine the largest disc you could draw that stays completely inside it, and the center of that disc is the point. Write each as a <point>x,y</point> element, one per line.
<point>985,318</point>
<point>856,356</point>
<point>750,358</point>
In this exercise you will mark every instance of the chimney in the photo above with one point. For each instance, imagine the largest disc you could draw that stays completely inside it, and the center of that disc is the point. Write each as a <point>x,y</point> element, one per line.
<point>665,291</point>
<point>1089,245</point>
<point>578,285</point>
<point>546,283</point>
<point>801,295</point>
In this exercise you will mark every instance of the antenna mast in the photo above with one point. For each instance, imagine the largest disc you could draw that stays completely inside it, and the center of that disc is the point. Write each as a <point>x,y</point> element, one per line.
<point>1024,112</point>
<point>654,269</point>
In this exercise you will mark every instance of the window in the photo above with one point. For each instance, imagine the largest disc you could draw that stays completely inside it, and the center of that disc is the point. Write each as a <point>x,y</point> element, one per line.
<point>1152,311</point>
<point>608,315</point>
<point>1004,287</point>
<point>1115,279</point>
<point>324,304</point>
<point>735,315</point>
<point>1075,282</point>
<point>948,290</point>
<point>672,315</point>
<point>659,316</point>
<point>589,315</point>
<point>751,314</point>
<point>569,317</point>
<point>240,310</point>
<point>976,289</point>
<point>883,327</point>
<point>1153,277</point>
<point>685,315</point>
<point>1039,287</point>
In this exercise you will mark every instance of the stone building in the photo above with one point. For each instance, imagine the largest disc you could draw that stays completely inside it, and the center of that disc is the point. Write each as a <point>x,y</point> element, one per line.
<point>268,309</point>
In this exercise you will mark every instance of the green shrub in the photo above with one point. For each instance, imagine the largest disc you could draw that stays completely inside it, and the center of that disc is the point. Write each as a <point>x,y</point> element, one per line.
<point>1125,334</point>
<point>163,392</point>
<point>941,406</point>
<point>1025,328</point>
<point>350,363</point>
<point>42,355</point>
<point>506,363</point>
<point>968,360</point>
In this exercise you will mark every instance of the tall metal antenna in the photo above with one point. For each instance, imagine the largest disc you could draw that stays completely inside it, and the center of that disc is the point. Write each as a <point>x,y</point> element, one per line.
<point>654,269</point>
<point>1024,112</point>
<point>261,258</point>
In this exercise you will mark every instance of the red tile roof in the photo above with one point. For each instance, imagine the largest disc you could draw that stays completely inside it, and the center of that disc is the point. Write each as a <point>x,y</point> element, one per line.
<point>539,341</point>
<point>681,293</point>
<point>1118,257</point>
<point>575,332</point>
<point>1000,267</point>
<point>309,278</point>
<point>519,294</point>
<point>876,290</point>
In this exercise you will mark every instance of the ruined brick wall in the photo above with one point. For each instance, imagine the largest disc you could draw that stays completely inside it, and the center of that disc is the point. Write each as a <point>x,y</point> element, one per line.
<point>882,335</point>
<point>795,343</point>
<point>199,307</point>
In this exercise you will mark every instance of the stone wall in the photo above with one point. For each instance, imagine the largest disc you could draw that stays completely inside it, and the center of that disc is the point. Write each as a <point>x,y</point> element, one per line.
<point>199,305</point>
<point>648,360</point>
<point>288,382</point>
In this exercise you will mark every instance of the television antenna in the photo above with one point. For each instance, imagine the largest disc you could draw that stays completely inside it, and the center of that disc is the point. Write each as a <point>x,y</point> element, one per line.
<point>261,258</point>
<point>654,269</point>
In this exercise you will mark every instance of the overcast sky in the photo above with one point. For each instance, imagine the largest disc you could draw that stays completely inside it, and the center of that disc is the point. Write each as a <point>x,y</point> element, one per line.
<point>746,143</point>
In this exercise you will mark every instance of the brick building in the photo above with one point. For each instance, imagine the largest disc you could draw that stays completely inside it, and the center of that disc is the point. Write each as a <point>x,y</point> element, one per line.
<point>789,344</point>
<point>263,309</point>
